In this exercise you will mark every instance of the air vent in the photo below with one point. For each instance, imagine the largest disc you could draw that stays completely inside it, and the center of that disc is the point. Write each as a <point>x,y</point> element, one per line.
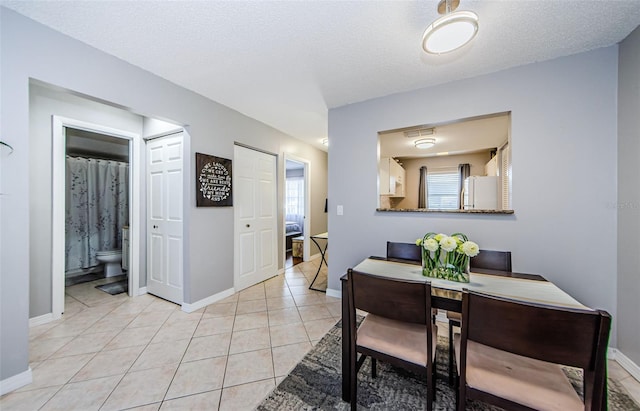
<point>422,132</point>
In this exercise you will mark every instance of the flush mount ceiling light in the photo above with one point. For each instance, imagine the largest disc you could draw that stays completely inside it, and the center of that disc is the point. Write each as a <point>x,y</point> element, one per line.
<point>425,143</point>
<point>451,31</point>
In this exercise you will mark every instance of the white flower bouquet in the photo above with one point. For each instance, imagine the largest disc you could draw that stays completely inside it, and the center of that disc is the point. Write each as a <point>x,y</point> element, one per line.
<point>447,257</point>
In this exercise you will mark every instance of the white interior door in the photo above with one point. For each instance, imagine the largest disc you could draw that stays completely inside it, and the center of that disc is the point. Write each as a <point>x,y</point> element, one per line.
<point>255,210</point>
<point>165,217</point>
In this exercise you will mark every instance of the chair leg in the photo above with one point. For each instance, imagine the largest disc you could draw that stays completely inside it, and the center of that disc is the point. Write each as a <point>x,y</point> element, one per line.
<point>451,353</point>
<point>374,363</point>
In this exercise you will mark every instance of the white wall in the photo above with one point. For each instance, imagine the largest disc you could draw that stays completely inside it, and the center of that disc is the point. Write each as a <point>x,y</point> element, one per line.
<point>32,51</point>
<point>629,198</point>
<point>563,131</point>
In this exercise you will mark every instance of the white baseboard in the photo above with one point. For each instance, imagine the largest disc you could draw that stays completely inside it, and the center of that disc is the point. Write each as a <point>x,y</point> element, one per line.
<point>41,319</point>
<point>626,363</point>
<point>15,382</point>
<point>142,290</point>
<point>334,293</point>
<point>189,308</point>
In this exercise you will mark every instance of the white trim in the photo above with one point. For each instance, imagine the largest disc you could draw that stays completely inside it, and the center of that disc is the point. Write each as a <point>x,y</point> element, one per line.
<point>626,363</point>
<point>142,290</point>
<point>41,319</point>
<point>15,382</point>
<point>58,204</point>
<point>280,271</point>
<point>189,308</point>
<point>334,293</point>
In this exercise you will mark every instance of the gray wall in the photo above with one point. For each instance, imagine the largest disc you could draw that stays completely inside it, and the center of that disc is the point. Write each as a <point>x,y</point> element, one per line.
<point>629,197</point>
<point>43,103</point>
<point>564,136</point>
<point>30,50</point>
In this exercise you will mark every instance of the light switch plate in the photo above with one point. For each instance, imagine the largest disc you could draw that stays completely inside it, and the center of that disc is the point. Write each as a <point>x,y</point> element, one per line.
<point>340,210</point>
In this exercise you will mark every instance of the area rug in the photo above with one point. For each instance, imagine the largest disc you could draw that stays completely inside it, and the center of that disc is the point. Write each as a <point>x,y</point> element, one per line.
<point>316,384</point>
<point>117,287</point>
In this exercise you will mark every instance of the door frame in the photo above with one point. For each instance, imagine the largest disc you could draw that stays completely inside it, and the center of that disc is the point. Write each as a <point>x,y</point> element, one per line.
<point>59,152</point>
<point>306,247</point>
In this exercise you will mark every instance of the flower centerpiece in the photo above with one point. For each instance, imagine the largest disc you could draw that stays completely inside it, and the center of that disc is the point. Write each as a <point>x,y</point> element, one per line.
<point>447,257</point>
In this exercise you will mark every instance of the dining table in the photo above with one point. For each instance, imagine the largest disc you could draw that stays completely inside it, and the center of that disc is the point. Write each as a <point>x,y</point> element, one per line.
<point>447,295</point>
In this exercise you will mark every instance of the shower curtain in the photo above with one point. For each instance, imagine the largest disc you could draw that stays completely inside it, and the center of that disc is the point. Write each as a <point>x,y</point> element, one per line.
<point>97,208</point>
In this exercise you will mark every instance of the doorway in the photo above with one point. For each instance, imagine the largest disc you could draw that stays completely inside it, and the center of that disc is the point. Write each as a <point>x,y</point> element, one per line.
<point>296,210</point>
<point>94,143</point>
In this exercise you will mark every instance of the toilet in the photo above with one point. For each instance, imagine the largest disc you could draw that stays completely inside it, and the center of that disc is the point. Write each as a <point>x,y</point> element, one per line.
<point>111,260</point>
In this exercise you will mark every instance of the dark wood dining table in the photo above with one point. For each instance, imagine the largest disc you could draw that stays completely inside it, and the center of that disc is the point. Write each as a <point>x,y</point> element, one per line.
<point>447,295</point>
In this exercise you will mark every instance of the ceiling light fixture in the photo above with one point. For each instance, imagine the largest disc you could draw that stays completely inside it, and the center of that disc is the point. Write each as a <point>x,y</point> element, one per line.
<point>424,143</point>
<point>451,31</point>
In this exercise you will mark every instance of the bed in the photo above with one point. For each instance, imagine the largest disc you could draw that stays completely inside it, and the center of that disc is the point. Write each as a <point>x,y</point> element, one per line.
<point>292,229</point>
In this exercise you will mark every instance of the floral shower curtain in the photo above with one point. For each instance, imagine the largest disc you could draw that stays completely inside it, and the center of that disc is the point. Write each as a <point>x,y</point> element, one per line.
<point>97,208</point>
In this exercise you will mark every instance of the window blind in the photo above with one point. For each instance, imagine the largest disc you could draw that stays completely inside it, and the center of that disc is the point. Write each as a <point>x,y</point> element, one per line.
<point>443,189</point>
<point>505,172</point>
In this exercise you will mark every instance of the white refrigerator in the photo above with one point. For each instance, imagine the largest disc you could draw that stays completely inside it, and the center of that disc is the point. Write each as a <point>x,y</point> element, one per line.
<point>481,193</point>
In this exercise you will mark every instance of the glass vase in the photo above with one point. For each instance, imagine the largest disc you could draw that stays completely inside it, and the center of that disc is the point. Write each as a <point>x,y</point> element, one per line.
<point>436,268</point>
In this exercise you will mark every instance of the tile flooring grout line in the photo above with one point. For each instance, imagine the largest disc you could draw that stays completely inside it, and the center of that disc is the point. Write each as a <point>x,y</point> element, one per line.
<point>137,358</point>
<point>164,397</point>
<point>226,363</point>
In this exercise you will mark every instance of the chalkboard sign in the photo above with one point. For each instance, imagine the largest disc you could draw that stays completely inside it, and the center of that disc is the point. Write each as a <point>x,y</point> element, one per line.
<point>213,181</point>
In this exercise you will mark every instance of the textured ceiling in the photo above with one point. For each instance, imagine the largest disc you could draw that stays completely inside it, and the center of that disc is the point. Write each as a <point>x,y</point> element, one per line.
<point>286,63</point>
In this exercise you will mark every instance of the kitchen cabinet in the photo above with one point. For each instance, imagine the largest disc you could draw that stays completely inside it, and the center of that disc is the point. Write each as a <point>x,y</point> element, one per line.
<point>392,178</point>
<point>491,168</point>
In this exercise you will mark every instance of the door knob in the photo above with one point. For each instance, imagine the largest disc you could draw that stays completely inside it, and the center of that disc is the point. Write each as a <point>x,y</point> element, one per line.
<point>155,226</point>
<point>248,225</point>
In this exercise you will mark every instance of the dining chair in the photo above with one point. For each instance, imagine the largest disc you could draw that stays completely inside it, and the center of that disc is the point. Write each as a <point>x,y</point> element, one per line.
<point>485,260</point>
<point>397,328</point>
<point>511,353</point>
<point>491,260</point>
<point>409,252</point>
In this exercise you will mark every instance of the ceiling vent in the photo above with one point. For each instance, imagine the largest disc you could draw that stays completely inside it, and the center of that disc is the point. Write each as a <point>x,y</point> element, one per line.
<point>422,132</point>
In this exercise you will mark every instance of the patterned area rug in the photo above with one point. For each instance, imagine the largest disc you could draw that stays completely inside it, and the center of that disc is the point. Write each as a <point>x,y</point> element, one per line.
<point>316,384</point>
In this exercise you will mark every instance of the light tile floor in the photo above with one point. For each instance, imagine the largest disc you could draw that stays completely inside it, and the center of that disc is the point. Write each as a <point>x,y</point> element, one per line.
<point>144,353</point>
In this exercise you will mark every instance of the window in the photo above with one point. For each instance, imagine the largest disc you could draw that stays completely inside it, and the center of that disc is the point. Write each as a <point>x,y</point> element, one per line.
<point>442,189</point>
<point>295,196</point>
